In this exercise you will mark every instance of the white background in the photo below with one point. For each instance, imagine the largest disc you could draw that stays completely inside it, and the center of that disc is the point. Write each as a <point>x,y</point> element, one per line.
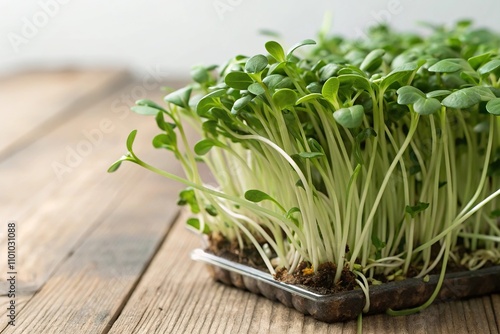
<point>173,35</point>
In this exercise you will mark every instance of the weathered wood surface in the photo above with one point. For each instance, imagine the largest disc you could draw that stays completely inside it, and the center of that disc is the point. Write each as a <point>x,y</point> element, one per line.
<point>97,252</point>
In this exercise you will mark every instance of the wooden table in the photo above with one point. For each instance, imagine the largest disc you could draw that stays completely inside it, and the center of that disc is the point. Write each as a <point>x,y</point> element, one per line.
<point>108,253</point>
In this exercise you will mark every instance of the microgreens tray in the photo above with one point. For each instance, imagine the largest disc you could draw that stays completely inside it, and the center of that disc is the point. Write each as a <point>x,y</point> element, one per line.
<point>348,305</point>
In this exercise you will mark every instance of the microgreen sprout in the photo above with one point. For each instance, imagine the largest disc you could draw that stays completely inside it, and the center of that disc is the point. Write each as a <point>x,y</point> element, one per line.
<point>380,156</point>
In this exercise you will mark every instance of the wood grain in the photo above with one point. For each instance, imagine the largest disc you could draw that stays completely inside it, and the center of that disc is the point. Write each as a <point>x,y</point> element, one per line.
<point>33,102</point>
<point>55,215</point>
<point>86,292</point>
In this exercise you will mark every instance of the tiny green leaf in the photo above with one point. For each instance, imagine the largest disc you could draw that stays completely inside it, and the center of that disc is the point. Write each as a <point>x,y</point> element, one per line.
<point>145,110</point>
<point>351,117</point>
<point>199,74</point>
<point>241,103</point>
<point>479,60</point>
<point>204,146</point>
<point>256,88</point>
<point>427,106</point>
<point>414,210</point>
<point>310,155</point>
<point>180,97</point>
<point>164,141</point>
<point>308,97</point>
<point>409,95</point>
<point>399,74</point>
<point>238,80</point>
<point>114,167</point>
<point>330,89</point>
<point>284,98</point>
<point>372,61</point>
<point>298,45</point>
<point>211,210</point>
<point>149,103</point>
<point>256,196</point>
<point>438,93</point>
<point>463,98</point>
<point>275,50</point>
<point>209,101</point>
<point>256,64</point>
<point>130,140</point>
<point>290,212</point>
<point>489,67</point>
<point>188,196</point>
<point>195,223</point>
<point>493,106</point>
<point>446,66</point>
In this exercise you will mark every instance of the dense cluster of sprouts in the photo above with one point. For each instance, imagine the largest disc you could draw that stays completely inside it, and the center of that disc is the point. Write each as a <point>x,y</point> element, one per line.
<point>382,156</point>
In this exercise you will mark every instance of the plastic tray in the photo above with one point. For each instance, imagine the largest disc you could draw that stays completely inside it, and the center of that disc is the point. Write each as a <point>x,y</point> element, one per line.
<point>348,305</point>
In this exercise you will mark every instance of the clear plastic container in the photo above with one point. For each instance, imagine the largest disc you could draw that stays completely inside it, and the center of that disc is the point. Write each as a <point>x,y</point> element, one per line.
<point>348,305</point>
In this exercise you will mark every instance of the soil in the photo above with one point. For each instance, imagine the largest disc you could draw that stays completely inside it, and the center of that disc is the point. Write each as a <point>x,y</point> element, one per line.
<point>320,281</point>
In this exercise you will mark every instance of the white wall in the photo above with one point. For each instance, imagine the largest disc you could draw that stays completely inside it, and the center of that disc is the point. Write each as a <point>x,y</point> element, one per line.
<point>170,36</point>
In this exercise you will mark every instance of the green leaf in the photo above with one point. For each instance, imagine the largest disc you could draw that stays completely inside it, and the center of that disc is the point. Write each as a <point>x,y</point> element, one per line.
<point>130,140</point>
<point>427,106</point>
<point>210,127</point>
<point>355,81</point>
<point>238,80</point>
<point>114,167</point>
<point>310,155</point>
<point>409,95</point>
<point>275,50</point>
<point>165,126</point>
<point>145,110</point>
<point>461,99</point>
<point>164,141</point>
<point>328,71</point>
<point>199,74</point>
<point>379,245</point>
<point>446,66</point>
<point>180,97</point>
<point>314,145</point>
<point>149,103</point>
<point>256,88</point>
<point>256,64</point>
<point>257,196</point>
<point>284,98</point>
<point>241,103</point>
<point>399,74</point>
<point>489,67</point>
<point>211,210</point>
<point>479,60</point>
<point>188,196</point>
<point>351,117</point>
<point>209,101</point>
<point>204,146</point>
<point>414,210</point>
<point>438,93</point>
<point>298,45</point>
<point>493,106</point>
<point>195,223</point>
<point>308,97</point>
<point>330,89</point>
<point>289,213</point>
<point>372,61</point>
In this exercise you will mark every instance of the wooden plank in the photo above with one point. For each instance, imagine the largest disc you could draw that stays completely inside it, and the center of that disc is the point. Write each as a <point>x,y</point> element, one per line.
<point>33,102</point>
<point>87,291</point>
<point>175,296</point>
<point>55,214</point>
